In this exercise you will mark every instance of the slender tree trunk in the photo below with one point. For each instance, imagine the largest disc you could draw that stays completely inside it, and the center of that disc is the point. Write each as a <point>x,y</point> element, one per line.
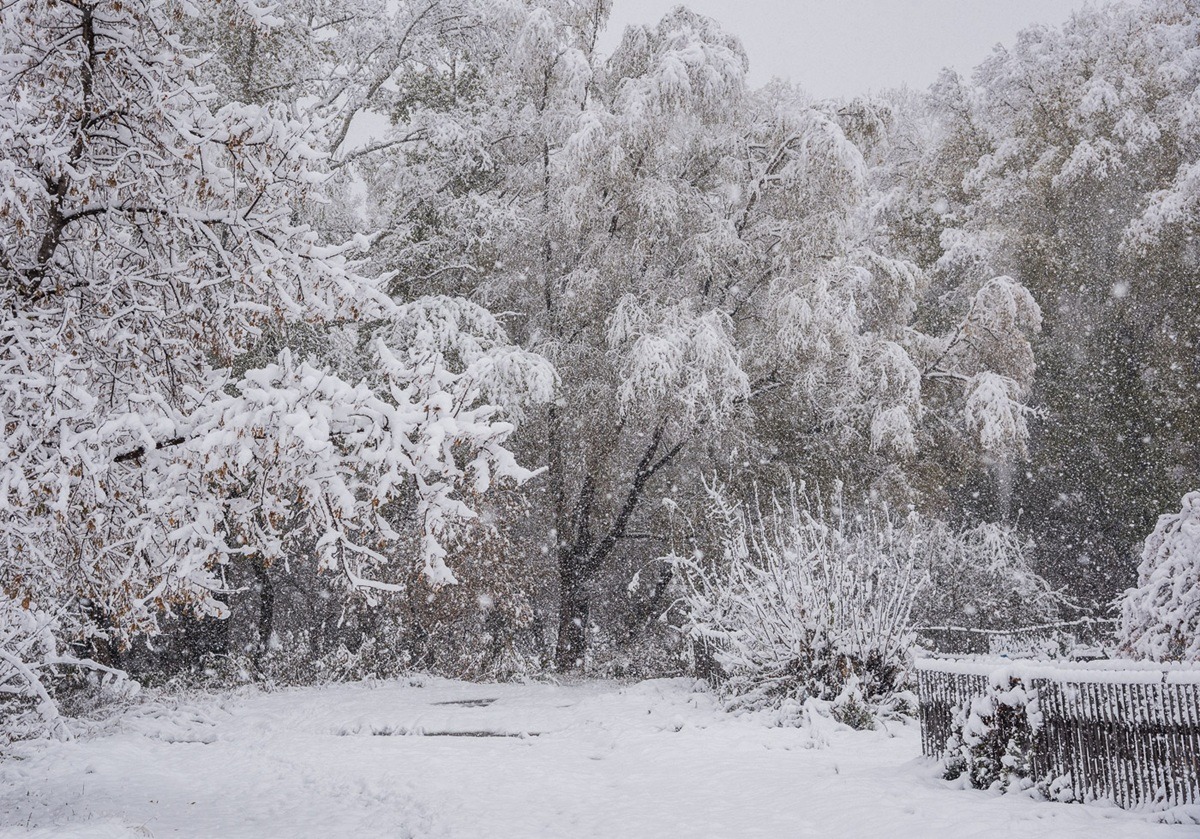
<point>643,613</point>
<point>266,604</point>
<point>574,580</point>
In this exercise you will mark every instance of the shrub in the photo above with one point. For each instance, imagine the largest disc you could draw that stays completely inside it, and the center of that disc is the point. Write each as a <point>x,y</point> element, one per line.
<point>992,741</point>
<point>803,603</point>
<point>981,578</point>
<point>36,674</point>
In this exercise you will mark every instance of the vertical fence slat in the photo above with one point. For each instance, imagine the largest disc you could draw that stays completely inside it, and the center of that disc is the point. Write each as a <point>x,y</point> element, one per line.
<point>1170,733</point>
<point>1104,738</point>
<point>1192,710</point>
<point>1112,771</point>
<point>1152,707</point>
<point>1186,732</point>
<point>1071,731</point>
<point>1041,745</point>
<point>1167,731</point>
<point>1129,777</point>
<point>1190,700</point>
<point>1135,785</point>
<point>1088,728</point>
<point>1134,781</point>
<point>1099,743</point>
<point>1065,765</point>
<point>1145,756</point>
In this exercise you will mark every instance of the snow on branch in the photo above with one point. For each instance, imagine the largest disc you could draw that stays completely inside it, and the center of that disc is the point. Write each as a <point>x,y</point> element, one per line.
<point>159,420</point>
<point>680,357</point>
<point>995,415</point>
<point>1160,616</point>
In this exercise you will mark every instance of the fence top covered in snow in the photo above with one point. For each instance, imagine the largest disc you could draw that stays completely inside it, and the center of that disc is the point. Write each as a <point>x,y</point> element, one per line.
<point>1110,671</point>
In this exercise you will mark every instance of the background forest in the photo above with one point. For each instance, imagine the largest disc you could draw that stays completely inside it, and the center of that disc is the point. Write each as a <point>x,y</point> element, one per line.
<point>348,337</point>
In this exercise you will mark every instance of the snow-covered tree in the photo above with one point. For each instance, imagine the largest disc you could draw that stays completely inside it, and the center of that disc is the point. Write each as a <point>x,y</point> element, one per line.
<point>1160,616</point>
<point>696,261</point>
<point>160,417</point>
<point>982,577</point>
<point>1065,163</point>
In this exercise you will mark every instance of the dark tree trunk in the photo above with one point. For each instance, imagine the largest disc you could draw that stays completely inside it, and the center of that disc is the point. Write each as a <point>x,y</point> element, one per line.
<point>581,557</point>
<point>645,612</point>
<point>574,606</point>
<point>266,603</point>
<point>574,578</point>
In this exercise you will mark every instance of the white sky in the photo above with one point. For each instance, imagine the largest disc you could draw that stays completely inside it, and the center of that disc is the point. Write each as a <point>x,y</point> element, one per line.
<point>845,47</point>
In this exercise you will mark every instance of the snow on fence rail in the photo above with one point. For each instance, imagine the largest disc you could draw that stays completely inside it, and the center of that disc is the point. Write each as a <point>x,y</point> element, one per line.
<point>1128,732</point>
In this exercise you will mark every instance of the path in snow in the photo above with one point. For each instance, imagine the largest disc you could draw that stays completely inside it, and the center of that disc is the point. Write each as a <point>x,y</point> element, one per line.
<point>594,760</point>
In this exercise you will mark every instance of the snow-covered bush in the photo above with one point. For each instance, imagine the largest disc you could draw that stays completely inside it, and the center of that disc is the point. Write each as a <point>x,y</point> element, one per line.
<point>488,626</point>
<point>805,603</point>
<point>1160,617</point>
<point>981,578</point>
<point>33,665</point>
<point>292,659</point>
<point>27,645</point>
<point>992,741</point>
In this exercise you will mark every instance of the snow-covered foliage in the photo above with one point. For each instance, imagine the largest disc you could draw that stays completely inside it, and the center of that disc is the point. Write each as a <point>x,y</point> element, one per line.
<point>681,358</point>
<point>27,647</point>
<point>1067,162</point>
<point>283,283</point>
<point>1119,82</point>
<point>150,262</point>
<point>1160,616</point>
<point>699,263</point>
<point>992,740</point>
<point>34,661</point>
<point>804,603</point>
<point>810,600</point>
<point>982,577</point>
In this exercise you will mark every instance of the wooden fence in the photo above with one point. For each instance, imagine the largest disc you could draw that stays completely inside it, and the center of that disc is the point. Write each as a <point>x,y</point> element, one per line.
<point>1123,731</point>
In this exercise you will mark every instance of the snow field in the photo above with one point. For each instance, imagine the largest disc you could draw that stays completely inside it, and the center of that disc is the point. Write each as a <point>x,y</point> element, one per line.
<point>655,759</point>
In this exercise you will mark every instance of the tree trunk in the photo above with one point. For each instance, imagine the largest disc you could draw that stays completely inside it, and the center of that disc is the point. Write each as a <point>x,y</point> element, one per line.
<point>574,578</point>
<point>574,605</point>
<point>643,613</point>
<point>266,604</point>
<point>581,557</point>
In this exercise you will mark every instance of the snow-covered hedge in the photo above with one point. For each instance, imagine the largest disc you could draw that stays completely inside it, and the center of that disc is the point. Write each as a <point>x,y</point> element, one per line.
<point>1115,730</point>
<point>807,601</point>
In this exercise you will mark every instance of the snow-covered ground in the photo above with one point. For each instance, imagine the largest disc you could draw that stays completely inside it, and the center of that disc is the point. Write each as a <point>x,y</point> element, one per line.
<point>655,759</point>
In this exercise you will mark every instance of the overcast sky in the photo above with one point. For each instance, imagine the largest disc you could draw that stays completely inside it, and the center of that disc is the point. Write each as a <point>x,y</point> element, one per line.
<point>844,47</point>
